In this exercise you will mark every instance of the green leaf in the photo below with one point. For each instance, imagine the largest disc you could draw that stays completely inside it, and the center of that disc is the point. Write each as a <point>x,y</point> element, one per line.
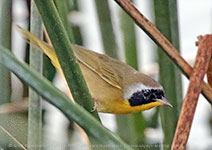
<point>36,62</point>
<point>68,62</point>
<point>73,111</point>
<point>166,22</point>
<point>136,122</point>
<point>5,40</point>
<point>107,32</point>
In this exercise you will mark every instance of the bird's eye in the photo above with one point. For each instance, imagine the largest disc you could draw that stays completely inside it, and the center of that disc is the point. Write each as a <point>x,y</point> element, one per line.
<point>137,99</point>
<point>153,90</point>
<point>153,94</point>
<point>145,96</point>
<point>146,93</point>
<point>159,94</point>
<point>140,98</point>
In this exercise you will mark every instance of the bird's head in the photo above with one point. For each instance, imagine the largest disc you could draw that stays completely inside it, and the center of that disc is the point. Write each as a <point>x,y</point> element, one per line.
<point>139,94</point>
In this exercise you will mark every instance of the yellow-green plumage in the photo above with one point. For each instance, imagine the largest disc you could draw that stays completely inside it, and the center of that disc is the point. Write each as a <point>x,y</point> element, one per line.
<point>107,78</point>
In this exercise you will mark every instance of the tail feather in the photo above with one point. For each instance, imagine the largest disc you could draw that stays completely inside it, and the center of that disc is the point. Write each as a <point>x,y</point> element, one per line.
<point>43,46</point>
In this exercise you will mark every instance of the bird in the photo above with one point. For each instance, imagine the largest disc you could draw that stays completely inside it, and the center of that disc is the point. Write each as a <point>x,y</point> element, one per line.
<point>115,87</point>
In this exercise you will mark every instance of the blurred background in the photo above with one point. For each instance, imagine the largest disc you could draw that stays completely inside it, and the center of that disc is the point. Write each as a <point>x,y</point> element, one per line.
<point>102,26</point>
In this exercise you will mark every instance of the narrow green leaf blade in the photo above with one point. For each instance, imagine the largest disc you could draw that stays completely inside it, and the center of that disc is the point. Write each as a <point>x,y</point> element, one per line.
<point>62,46</point>
<point>5,40</point>
<point>35,108</point>
<point>72,111</point>
<point>166,22</point>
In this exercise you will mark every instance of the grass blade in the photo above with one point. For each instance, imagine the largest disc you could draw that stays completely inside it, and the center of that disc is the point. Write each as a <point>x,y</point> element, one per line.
<point>166,22</point>
<point>5,40</point>
<point>35,108</point>
<point>136,122</point>
<point>62,8</point>
<point>106,28</point>
<point>61,44</point>
<point>72,111</point>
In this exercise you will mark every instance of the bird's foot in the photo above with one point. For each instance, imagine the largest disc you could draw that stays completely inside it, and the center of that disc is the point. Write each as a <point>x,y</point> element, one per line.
<point>95,105</point>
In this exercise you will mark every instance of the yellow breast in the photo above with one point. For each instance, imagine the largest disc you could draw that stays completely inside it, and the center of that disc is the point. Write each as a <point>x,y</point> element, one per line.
<point>107,98</point>
<point>123,107</point>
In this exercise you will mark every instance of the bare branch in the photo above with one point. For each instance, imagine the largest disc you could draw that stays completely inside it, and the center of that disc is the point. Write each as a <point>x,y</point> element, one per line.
<point>187,113</point>
<point>163,42</point>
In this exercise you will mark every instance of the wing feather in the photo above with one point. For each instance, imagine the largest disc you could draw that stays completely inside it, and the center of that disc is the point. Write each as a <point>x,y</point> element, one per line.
<point>98,63</point>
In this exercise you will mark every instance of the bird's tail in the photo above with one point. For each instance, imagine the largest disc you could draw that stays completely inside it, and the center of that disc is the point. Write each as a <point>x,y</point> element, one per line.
<point>43,46</point>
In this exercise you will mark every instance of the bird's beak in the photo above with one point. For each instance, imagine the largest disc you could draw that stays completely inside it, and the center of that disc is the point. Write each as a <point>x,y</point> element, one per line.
<point>164,101</point>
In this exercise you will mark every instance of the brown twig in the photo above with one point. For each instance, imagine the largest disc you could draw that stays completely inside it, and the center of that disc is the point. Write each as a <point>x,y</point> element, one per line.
<point>209,73</point>
<point>163,42</point>
<point>187,113</point>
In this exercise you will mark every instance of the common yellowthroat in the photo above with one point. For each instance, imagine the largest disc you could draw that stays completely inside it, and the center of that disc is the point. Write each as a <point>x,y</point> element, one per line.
<point>115,86</point>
